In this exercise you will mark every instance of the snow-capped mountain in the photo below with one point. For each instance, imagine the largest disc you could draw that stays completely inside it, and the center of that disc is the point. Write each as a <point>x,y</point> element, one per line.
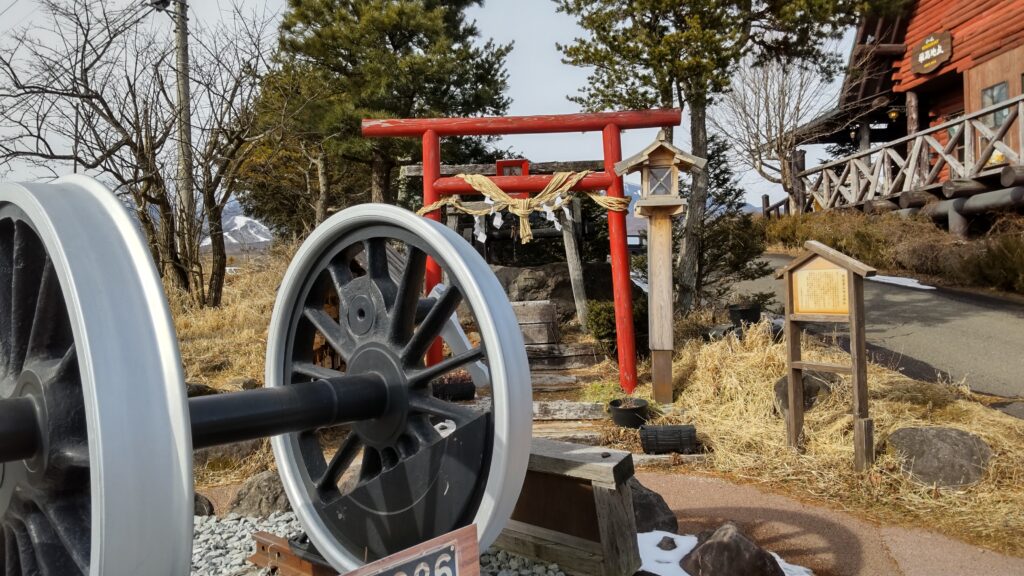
<point>243,233</point>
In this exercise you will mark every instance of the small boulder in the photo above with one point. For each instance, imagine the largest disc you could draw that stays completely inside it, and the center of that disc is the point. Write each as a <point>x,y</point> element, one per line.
<point>944,457</point>
<point>226,453</point>
<point>667,543</point>
<point>261,496</point>
<point>650,510</point>
<point>197,390</point>
<point>727,552</point>
<point>203,506</point>
<point>245,383</point>
<point>816,384</point>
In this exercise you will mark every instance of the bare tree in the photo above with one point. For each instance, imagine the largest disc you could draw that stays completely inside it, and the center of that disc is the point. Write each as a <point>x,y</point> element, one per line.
<point>761,113</point>
<point>88,86</point>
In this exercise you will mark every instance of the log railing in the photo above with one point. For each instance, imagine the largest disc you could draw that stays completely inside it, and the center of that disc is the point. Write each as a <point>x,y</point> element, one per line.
<point>973,148</point>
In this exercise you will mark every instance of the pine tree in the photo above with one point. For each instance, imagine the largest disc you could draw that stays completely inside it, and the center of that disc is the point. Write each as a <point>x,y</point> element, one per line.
<point>646,53</point>
<point>397,59</point>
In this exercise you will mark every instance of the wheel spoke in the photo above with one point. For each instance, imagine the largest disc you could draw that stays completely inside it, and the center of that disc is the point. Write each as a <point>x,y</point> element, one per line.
<point>51,331</point>
<point>29,261</point>
<point>6,284</point>
<point>314,371</point>
<point>11,553</point>
<point>377,258</point>
<point>431,326</point>
<point>336,336</point>
<point>67,520</point>
<point>421,377</point>
<point>437,407</point>
<point>23,544</point>
<point>403,313</point>
<point>340,462</point>
<point>340,274</point>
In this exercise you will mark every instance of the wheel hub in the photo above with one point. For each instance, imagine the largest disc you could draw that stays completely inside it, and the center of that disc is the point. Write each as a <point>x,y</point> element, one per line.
<point>377,359</point>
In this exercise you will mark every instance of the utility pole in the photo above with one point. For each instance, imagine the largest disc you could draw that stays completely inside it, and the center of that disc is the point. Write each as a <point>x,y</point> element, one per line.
<point>186,180</point>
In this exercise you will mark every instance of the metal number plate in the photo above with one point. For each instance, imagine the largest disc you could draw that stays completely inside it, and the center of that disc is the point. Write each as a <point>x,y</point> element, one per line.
<point>453,554</point>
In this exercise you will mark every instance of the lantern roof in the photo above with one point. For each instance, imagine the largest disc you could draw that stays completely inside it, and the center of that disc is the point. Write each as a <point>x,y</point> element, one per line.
<point>642,159</point>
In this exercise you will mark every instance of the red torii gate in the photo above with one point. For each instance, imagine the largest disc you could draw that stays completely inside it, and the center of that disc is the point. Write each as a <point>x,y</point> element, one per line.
<point>610,124</point>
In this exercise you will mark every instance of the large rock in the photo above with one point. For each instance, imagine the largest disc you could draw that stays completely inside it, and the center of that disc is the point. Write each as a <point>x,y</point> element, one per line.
<point>817,385</point>
<point>650,510</point>
<point>727,552</point>
<point>261,496</point>
<point>944,457</point>
<point>551,282</point>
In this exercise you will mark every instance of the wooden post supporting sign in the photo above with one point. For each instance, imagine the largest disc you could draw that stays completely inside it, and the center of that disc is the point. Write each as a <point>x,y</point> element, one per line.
<point>827,286</point>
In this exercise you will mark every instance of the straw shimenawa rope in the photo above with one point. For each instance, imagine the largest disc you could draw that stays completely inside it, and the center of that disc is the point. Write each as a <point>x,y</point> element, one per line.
<point>560,184</point>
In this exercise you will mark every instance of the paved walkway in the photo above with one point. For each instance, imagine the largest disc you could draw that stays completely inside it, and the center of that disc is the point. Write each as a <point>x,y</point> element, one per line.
<point>938,333</point>
<point>829,542</point>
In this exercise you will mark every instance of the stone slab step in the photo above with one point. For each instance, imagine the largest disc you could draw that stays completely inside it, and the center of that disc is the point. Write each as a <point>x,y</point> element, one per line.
<point>553,409</point>
<point>563,356</point>
<point>576,432</point>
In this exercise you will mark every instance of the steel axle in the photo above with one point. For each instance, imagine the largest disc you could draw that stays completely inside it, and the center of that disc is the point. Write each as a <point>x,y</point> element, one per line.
<point>233,417</point>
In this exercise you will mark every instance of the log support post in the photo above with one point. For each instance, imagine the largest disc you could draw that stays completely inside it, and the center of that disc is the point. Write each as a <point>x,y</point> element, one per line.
<point>661,315</point>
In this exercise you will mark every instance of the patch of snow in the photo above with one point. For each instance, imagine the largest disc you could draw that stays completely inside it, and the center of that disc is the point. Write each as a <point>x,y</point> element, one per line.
<point>666,562</point>
<point>900,281</point>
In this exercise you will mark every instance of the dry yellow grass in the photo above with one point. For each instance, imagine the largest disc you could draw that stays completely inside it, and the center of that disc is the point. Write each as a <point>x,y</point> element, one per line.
<point>725,389</point>
<point>222,347</point>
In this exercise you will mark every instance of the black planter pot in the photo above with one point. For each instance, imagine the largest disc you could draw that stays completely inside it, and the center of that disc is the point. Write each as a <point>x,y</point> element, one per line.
<point>632,416</point>
<point>740,314</point>
<point>681,439</point>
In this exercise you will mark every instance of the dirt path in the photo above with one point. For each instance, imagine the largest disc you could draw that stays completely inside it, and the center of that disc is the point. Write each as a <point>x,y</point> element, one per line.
<point>829,542</point>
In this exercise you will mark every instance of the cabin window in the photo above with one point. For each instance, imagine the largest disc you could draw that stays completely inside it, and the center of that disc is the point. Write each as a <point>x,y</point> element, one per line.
<point>991,96</point>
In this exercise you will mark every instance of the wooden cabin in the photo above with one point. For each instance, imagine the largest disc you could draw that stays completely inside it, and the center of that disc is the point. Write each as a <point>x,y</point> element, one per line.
<point>935,92</point>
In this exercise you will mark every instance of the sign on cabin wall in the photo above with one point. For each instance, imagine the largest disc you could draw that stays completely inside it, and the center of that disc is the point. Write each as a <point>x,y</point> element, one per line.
<point>820,287</point>
<point>932,52</point>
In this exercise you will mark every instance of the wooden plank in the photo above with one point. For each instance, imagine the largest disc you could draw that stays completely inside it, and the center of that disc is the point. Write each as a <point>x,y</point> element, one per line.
<point>863,438</point>
<point>863,444</point>
<point>545,499</point>
<point>575,556</point>
<point>602,466</point>
<point>568,410</point>
<point>274,553</point>
<point>794,388</point>
<point>823,367</point>
<point>574,262</point>
<point>819,318</point>
<point>661,376</point>
<point>839,259</point>
<point>617,524</point>
<point>858,345</point>
<point>659,275</point>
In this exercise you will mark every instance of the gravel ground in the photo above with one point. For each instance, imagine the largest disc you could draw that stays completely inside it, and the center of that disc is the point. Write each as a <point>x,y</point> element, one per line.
<point>221,546</point>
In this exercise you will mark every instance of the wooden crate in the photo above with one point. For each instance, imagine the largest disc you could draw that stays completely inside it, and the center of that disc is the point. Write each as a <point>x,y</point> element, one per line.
<point>576,510</point>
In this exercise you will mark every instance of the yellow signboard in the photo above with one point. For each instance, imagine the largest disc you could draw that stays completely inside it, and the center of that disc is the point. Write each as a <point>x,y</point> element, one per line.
<point>820,287</point>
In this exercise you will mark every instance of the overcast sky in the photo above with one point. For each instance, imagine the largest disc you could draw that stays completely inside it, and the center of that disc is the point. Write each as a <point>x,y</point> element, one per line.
<point>539,82</point>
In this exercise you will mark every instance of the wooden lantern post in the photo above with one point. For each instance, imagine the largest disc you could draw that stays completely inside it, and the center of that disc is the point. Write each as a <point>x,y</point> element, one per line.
<point>659,165</point>
<point>824,285</point>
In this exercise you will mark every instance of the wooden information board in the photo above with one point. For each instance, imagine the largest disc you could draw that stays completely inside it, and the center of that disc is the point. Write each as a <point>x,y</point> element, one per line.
<point>821,287</point>
<point>824,285</point>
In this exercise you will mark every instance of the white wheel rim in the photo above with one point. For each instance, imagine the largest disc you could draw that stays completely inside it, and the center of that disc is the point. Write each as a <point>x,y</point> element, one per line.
<point>504,349</point>
<point>136,411</point>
